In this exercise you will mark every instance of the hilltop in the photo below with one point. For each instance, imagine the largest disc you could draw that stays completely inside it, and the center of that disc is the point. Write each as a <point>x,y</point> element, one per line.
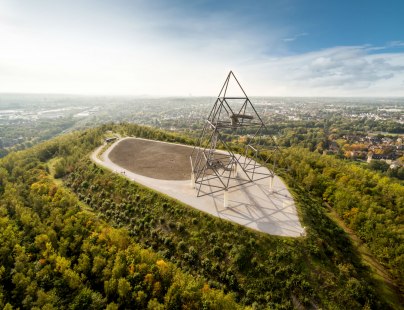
<point>76,235</point>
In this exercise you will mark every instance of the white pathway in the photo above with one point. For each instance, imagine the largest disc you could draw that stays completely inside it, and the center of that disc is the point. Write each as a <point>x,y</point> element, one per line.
<point>253,205</point>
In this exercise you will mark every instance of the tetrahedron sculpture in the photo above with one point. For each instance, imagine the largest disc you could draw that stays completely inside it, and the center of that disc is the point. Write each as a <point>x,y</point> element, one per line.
<point>232,124</point>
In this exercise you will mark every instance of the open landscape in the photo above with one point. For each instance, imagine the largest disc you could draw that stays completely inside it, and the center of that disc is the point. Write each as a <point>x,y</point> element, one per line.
<point>213,154</point>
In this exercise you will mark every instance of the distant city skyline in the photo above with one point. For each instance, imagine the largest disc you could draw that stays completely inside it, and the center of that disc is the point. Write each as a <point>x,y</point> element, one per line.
<point>180,48</point>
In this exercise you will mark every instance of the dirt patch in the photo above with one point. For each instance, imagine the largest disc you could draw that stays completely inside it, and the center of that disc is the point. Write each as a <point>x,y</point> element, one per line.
<point>153,159</point>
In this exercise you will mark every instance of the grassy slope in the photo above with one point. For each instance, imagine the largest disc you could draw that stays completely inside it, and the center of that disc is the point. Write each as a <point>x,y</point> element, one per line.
<point>385,284</point>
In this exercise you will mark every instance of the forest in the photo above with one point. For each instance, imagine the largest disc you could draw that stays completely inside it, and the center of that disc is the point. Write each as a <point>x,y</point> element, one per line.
<point>56,253</point>
<point>76,235</point>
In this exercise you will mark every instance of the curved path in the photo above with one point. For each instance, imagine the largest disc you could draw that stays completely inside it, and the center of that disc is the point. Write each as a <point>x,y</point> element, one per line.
<point>253,205</point>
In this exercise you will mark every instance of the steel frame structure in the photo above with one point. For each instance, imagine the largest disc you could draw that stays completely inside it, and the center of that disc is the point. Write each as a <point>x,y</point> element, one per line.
<point>214,164</point>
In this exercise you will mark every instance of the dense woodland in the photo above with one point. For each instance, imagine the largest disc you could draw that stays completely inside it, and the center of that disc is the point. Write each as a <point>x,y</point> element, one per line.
<point>26,134</point>
<point>76,235</point>
<point>56,253</point>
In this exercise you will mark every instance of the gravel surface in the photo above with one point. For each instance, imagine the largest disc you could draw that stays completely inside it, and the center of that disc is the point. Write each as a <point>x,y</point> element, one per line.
<point>161,161</point>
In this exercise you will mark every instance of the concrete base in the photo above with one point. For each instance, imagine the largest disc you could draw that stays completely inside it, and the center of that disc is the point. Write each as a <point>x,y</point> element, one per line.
<point>225,199</point>
<point>271,184</point>
<point>192,180</point>
<point>234,171</point>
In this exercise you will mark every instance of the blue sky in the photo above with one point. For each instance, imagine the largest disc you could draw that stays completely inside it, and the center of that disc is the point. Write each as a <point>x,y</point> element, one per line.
<point>276,48</point>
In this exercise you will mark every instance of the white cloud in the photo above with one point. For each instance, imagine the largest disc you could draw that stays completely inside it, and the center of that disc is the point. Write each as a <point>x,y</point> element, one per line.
<point>168,53</point>
<point>296,36</point>
<point>396,44</point>
<point>153,53</point>
<point>338,71</point>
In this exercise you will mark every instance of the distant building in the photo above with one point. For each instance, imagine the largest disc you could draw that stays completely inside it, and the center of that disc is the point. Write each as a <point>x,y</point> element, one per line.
<point>386,157</point>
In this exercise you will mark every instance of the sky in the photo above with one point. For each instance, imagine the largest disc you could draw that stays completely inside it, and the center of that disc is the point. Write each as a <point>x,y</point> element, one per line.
<point>186,48</point>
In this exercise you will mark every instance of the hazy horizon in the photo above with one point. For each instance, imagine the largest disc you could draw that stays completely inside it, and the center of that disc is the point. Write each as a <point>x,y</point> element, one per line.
<point>188,96</point>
